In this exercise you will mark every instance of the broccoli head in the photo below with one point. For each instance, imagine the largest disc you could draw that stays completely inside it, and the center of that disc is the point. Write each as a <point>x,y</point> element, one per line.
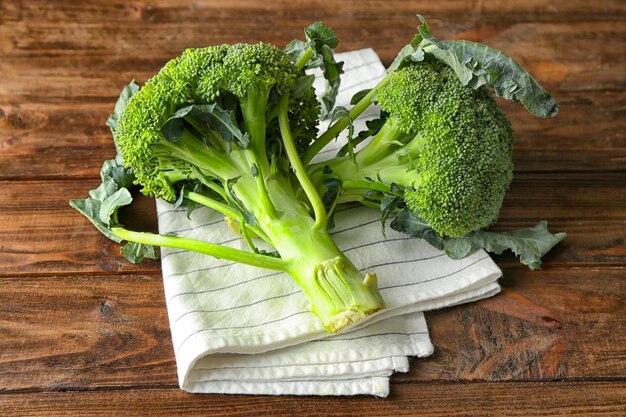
<point>448,146</point>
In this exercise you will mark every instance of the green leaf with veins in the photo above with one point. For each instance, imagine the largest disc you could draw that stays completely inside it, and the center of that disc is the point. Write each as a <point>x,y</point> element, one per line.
<point>90,208</point>
<point>322,40</point>
<point>127,92</point>
<point>216,118</point>
<point>115,170</point>
<point>295,49</point>
<point>110,205</point>
<point>237,204</point>
<point>320,34</point>
<point>476,64</point>
<point>330,196</point>
<point>137,252</point>
<point>302,85</point>
<point>529,244</point>
<point>408,223</point>
<point>359,95</point>
<point>104,202</point>
<point>409,53</point>
<point>340,113</point>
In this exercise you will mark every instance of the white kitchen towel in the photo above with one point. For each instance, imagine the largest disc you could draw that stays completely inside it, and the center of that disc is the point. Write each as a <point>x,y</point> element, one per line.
<point>240,329</point>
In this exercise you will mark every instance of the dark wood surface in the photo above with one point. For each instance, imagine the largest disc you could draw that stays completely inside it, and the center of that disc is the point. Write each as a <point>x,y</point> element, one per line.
<point>82,332</point>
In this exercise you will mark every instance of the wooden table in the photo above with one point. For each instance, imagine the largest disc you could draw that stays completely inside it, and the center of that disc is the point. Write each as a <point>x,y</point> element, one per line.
<point>82,332</point>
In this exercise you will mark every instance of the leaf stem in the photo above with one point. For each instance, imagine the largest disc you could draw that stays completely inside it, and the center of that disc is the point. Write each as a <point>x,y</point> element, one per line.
<point>226,210</point>
<point>206,248</point>
<point>334,130</point>
<point>306,56</point>
<point>307,186</point>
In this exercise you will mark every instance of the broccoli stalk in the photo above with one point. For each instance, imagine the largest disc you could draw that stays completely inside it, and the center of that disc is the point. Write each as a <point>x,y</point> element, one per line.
<point>440,157</point>
<point>223,127</point>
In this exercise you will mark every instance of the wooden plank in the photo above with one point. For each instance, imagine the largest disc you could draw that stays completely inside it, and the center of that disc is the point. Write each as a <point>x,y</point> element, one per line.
<point>247,20</point>
<point>55,138</point>
<point>426,399</point>
<point>164,10</point>
<point>75,331</point>
<point>87,332</point>
<point>45,59</point>
<point>42,234</point>
<point>35,31</point>
<point>550,324</point>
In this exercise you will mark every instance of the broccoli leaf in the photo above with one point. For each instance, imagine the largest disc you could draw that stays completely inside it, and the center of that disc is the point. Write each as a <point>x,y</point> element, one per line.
<point>236,203</point>
<point>115,170</point>
<point>530,244</point>
<point>127,92</point>
<point>340,113</point>
<point>302,85</point>
<point>373,127</point>
<point>295,49</point>
<point>110,205</point>
<point>329,199</point>
<point>216,118</point>
<point>322,40</point>
<point>408,223</point>
<point>409,53</point>
<point>477,64</point>
<point>103,203</point>
<point>192,205</point>
<point>358,96</point>
<point>137,252</point>
<point>320,35</point>
<point>90,208</point>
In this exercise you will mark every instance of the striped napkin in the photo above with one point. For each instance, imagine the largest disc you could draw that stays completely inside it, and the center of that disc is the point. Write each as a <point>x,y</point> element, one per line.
<point>240,329</point>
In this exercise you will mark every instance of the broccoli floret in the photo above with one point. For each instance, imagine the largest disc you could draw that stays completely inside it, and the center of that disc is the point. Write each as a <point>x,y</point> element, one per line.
<point>464,148</point>
<point>221,126</point>
<point>447,145</point>
<point>439,161</point>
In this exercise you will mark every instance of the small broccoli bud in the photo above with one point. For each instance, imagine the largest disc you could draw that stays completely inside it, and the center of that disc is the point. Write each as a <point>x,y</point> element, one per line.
<point>259,66</point>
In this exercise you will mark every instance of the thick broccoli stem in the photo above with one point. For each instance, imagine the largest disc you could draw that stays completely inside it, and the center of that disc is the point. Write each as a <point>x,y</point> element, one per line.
<point>339,294</point>
<point>253,108</point>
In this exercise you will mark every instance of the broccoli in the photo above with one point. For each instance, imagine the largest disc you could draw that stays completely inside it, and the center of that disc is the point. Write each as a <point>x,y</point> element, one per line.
<point>440,157</point>
<point>224,126</point>
<point>448,147</point>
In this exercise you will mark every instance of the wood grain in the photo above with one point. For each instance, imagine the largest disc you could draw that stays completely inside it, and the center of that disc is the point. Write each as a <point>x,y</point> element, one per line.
<point>426,399</point>
<point>84,333</point>
<point>87,332</point>
<point>69,332</point>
